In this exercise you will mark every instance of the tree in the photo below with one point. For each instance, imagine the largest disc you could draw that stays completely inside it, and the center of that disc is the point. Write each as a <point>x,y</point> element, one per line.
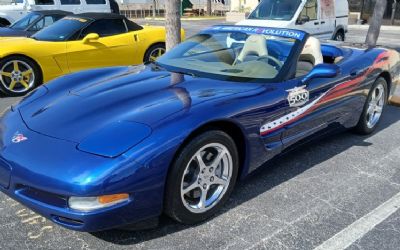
<point>154,8</point>
<point>209,7</point>
<point>376,23</point>
<point>173,23</point>
<point>173,29</point>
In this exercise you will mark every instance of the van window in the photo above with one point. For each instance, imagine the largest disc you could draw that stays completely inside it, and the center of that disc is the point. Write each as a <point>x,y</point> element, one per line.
<point>96,1</point>
<point>70,2</point>
<point>44,2</point>
<point>310,9</point>
<point>105,27</point>
<point>275,10</point>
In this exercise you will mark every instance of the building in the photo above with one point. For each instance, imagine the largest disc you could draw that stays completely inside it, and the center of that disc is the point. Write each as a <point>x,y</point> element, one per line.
<point>243,5</point>
<point>367,8</point>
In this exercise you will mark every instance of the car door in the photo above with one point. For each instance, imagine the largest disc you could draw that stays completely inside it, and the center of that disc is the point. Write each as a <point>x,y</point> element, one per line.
<point>115,46</point>
<point>313,105</point>
<point>311,11</point>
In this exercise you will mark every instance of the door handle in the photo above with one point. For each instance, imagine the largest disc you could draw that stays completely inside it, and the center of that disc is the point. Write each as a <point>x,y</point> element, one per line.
<point>323,22</point>
<point>316,23</point>
<point>356,73</point>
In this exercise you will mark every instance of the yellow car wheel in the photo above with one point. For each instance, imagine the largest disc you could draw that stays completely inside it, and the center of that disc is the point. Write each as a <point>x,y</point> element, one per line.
<point>154,52</point>
<point>18,75</point>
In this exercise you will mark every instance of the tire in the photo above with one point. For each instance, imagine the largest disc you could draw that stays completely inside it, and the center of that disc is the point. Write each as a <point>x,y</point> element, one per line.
<point>373,109</point>
<point>339,36</point>
<point>18,75</point>
<point>187,182</point>
<point>154,52</point>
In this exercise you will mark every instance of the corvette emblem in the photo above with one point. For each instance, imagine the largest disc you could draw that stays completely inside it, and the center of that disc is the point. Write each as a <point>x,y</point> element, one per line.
<point>17,138</point>
<point>298,96</point>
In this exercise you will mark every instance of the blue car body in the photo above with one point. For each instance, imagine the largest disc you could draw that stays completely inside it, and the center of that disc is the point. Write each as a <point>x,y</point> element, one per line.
<point>117,130</point>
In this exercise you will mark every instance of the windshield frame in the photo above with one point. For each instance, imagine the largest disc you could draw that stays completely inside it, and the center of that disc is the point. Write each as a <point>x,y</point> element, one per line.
<point>282,75</point>
<point>68,38</point>
<point>250,17</point>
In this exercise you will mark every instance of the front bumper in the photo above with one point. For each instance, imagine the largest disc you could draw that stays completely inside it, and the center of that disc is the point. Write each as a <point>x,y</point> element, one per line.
<point>41,172</point>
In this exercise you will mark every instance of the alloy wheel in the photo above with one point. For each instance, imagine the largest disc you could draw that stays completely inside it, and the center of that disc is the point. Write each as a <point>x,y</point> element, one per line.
<point>206,178</point>
<point>17,76</point>
<point>156,53</point>
<point>375,106</point>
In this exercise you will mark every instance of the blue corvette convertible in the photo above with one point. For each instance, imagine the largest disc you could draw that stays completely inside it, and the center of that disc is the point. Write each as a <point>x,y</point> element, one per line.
<point>111,147</point>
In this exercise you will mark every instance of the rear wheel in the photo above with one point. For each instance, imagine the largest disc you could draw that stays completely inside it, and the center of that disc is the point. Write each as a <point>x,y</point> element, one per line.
<point>154,52</point>
<point>373,107</point>
<point>202,177</point>
<point>18,75</point>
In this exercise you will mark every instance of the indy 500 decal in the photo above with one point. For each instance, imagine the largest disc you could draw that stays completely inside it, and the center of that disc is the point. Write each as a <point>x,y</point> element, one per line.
<point>298,97</point>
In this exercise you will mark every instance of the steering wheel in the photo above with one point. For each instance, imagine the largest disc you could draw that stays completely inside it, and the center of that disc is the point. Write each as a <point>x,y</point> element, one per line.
<point>277,63</point>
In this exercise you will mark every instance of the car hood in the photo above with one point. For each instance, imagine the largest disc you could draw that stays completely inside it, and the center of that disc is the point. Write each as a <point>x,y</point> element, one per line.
<point>146,96</point>
<point>7,32</point>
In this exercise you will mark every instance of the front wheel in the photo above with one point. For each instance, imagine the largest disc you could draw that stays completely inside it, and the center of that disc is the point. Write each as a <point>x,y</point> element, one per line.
<point>18,75</point>
<point>339,36</point>
<point>202,177</point>
<point>373,108</point>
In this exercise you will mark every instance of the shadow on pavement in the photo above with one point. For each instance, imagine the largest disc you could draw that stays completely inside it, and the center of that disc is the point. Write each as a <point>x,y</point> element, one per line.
<point>270,175</point>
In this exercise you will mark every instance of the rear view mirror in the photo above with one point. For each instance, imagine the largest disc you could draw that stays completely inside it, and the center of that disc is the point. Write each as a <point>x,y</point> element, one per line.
<point>302,20</point>
<point>322,71</point>
<point>91,38</point>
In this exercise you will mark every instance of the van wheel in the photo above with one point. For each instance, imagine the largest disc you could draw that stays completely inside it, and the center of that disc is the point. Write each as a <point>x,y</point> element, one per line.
<point>339,36</point>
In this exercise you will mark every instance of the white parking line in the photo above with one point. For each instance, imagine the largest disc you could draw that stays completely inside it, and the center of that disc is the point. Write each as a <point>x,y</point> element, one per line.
<point>362,226</point>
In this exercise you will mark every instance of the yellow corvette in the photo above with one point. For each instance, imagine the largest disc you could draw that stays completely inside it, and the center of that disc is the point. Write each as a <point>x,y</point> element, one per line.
<point>76,43</point>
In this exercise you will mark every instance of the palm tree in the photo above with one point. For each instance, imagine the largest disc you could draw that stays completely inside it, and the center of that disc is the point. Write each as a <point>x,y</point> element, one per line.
<point>376,23</point>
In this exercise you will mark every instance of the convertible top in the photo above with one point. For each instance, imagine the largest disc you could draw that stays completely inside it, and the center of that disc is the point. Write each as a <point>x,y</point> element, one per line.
<point>132,26</point>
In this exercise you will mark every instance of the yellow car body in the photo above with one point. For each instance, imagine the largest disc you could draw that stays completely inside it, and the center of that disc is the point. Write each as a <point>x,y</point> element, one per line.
<point>75,43</point>
<point>59,58</point>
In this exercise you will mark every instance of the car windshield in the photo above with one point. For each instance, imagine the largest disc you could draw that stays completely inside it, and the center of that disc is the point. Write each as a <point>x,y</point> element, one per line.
<point>275,10</point>
<point>232,55</point>
<point>24,22</point>
<point>61,30</point>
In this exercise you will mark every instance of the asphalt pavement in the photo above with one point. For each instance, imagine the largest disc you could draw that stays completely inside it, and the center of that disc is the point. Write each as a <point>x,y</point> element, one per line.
<point>342,191</point>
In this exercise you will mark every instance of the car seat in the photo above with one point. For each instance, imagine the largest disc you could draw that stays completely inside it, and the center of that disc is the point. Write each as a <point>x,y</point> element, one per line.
<point>309,57</point>
<point>254,45</point>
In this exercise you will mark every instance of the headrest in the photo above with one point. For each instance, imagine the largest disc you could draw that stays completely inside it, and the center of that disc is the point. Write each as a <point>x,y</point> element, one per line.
<point>255,44</point>
<point>312,49</point>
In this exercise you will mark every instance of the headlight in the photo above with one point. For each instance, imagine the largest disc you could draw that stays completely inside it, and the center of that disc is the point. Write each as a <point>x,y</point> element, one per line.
<point>87,204</point>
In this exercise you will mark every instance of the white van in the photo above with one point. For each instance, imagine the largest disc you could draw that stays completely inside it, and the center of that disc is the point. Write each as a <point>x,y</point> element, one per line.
<point>16,9</point>
<point>325,19</point>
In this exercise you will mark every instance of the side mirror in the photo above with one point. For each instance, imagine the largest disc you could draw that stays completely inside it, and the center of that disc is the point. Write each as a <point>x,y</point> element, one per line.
<point>322,71</point>
<point>91,38</point>
<point>302,20</point>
